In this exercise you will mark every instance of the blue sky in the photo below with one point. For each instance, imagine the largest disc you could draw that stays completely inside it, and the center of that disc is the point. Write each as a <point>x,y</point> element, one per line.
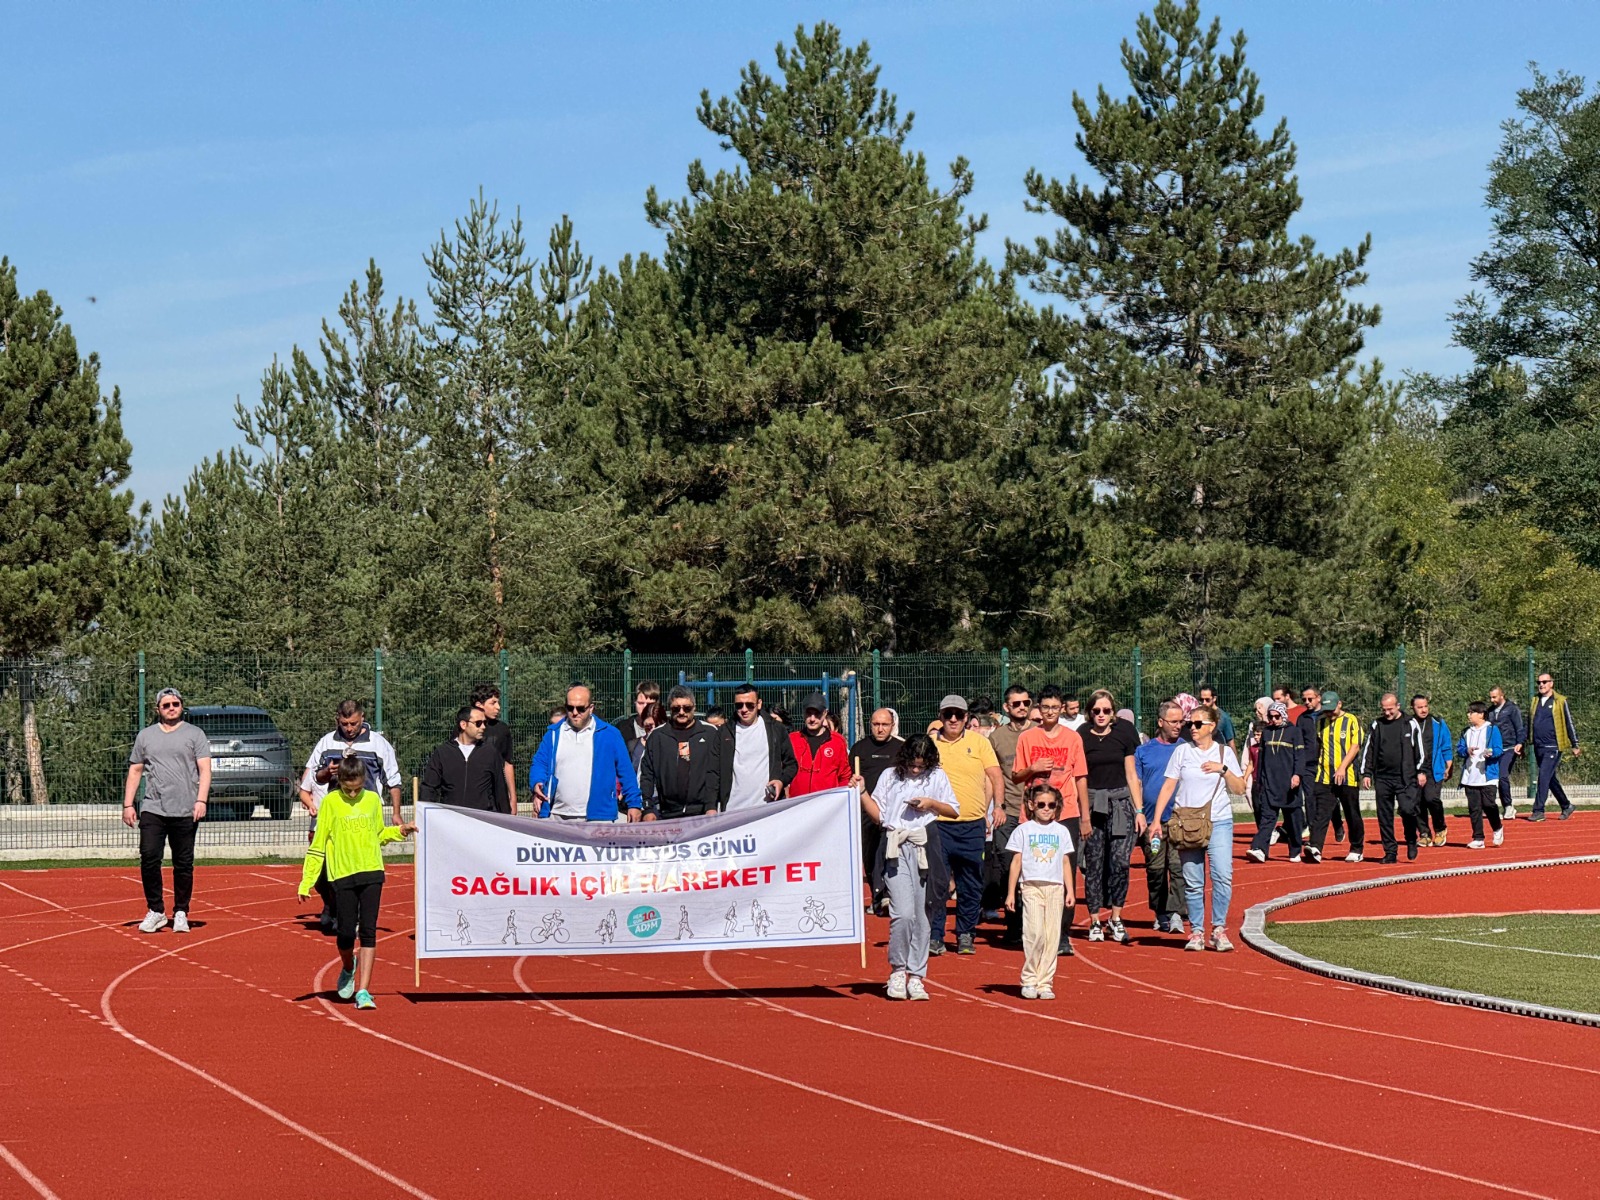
<point>216,174</point>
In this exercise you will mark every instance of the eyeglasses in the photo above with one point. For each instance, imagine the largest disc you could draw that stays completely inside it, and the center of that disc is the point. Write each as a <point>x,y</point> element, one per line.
<point>1103,712</point>
<point>746,705</point>
<point>681,708</point>
<point>579,708</point>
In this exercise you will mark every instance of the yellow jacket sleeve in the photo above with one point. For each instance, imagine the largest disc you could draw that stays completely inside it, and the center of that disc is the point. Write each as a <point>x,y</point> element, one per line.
<point>316,855</point>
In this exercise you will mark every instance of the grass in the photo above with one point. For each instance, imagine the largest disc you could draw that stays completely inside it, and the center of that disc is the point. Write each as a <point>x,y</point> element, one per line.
<point>1539,958</point>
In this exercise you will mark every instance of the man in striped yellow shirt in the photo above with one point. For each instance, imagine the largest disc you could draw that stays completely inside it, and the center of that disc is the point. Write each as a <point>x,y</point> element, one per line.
<point>1335,788</point>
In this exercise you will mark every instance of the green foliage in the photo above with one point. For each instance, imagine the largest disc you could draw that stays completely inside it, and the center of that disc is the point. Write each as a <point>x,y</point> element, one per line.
<point>63,524</point>
<point>1218,352</point>
<point>1524,423</point>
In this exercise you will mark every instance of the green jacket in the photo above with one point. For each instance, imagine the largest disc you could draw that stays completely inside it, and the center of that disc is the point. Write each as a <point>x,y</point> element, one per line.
<point>348,835</point>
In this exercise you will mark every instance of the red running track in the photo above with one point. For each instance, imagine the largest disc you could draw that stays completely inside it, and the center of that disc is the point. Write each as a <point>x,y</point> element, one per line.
<point>213,1064</point>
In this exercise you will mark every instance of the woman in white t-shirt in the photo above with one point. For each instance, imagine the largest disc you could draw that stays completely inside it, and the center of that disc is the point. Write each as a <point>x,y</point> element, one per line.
<point>1203,772</point>
<point>908,797</point>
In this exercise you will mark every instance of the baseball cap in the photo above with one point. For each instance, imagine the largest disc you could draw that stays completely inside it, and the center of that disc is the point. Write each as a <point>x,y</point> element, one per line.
<point>1330,701</point>
<point>169,691</point>
<point>817,701</point>
<point>953,701</point>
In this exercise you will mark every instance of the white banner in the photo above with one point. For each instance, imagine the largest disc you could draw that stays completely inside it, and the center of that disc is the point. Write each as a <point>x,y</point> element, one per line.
<point>787,873</point>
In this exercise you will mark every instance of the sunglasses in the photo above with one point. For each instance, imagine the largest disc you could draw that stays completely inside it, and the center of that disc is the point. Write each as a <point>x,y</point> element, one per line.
<point>746,705</point>
<point>1106,712</point>
<point>1018,703</point>
<point>1547,681</point>
<point>476,724</point>
<point>579,708</point>
<point>170,704</point>
<point>1198,724</point>
<point>1045,806</point>
<point>953,715</point>
<point>681,708</point>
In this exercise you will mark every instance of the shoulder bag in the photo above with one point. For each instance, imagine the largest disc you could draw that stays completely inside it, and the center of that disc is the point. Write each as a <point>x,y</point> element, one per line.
<point>1189,827</point>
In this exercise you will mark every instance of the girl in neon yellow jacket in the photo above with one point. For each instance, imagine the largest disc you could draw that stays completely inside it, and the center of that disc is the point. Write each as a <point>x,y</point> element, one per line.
<point>350,830</point>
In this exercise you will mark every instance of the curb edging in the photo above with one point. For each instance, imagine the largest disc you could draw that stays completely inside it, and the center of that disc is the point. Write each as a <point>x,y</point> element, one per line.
<point>1255,936</point>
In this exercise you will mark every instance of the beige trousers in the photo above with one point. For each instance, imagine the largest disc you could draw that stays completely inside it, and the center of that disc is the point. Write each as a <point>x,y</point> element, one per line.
<point>1041,931</point>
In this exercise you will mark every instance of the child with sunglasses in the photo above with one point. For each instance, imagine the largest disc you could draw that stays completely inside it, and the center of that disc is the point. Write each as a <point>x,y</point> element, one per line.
<point>1040,849</point>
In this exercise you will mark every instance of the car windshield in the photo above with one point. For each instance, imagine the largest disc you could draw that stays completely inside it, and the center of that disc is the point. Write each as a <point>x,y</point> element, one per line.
<point>223,725</point>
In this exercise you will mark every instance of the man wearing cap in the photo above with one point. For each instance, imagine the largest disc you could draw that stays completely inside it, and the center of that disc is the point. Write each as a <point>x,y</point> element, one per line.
<point>1018,700</point>
<point>1334,787</point>
<point>969,761</point>
<point>822,759</point>
<point>173,758</point>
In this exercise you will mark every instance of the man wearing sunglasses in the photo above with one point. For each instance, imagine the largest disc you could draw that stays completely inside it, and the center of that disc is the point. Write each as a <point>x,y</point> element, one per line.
<point>1553,733</point>
<point>822,757</point>
<point>756,750</point>
<point>582,770</point>
<point>464,770</point>
<point>1017,702</point>
<point>680,774</point>
<point>173,758</point>
<point>968,760</point>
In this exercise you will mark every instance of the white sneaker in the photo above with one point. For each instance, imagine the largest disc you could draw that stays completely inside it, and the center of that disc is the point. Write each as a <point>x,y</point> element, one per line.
<point>180,922</point>
<point>152,922</point>
<point>1499,836</point>
<point>1220,942</point>
<point>914,988</point>
<point>1029,992</point>
<point>1510,814</point>
<point>1197,941</point>
<point>1175,923</point>
<point>897,986</point>
<point>1047,993</point>
<point>1353,856</point>
<point>1255,855</point>
<point>1277,836</point>
<point>1475,844</point>
<point>1097,932</point>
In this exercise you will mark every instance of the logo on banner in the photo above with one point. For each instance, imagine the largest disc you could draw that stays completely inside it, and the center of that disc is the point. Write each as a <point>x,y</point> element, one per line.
<point>644,921</point>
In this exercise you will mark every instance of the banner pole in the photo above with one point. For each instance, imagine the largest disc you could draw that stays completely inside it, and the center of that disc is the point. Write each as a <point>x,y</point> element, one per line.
<point>861,813</point>
<point>416,893</point>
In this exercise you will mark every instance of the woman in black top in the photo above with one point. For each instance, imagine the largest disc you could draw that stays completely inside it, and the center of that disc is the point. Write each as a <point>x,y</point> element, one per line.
<point>1116,814</point>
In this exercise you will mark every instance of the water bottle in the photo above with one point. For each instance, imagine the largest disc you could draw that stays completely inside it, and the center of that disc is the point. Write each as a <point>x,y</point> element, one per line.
<point>1155,842</point>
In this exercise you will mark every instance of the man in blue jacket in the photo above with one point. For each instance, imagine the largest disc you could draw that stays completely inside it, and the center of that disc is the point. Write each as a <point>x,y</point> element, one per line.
<point>1435,763</point>
<point>582,766</point>
<point>1505,716</point>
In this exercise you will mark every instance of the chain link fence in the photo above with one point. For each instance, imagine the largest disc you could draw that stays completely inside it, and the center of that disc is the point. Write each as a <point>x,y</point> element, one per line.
<point>67,724</point>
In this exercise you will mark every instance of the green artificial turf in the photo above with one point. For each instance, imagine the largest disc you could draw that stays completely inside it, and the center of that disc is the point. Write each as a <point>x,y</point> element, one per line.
<point>1541,958</point>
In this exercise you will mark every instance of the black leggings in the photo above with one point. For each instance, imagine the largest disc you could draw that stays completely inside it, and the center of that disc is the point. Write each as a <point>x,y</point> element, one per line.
<point>1105,857</point>
<point>356,907</point>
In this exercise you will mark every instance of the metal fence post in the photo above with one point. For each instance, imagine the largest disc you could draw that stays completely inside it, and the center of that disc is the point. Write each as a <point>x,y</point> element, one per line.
<point>1533,702</point>
<point>377,688</point>
<point>1138,684</point>
<point>1400,673</point>
<point>1266,667</point>
<point>1005,671</point>
<point>877,689</point>
<point>505,684</point>
<point>749,665</point>
<point>141,690</point>
<point>627,679</point>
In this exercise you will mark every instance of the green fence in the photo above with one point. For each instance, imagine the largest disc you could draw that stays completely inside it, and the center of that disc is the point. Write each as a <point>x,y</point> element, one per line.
<point>80,715</point>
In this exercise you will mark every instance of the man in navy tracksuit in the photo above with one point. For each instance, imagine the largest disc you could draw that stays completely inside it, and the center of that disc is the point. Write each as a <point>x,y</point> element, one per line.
<point>1435,762</point>
<point>1505,716</point>
<point>1553,732</point>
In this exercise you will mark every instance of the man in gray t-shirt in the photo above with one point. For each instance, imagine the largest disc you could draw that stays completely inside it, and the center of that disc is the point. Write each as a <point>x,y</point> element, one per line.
<point>173,758</point>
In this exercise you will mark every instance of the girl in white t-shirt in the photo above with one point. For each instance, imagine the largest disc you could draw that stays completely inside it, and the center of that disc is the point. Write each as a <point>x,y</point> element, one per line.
<point>908,797</point>
<point>1200,773</point>
<point>1041,861</point>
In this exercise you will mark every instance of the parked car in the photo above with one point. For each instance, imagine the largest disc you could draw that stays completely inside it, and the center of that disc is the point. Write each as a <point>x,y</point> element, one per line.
<point>250,762</point>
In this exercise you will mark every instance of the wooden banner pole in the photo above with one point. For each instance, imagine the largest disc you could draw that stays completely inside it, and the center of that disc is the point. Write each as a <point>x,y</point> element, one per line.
<point>416,892</point>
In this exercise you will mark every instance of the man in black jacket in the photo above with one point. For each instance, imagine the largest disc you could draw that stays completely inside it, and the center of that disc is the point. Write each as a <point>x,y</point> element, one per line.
<point>1389,766</point>
<point>758,761</point>
<point>1507,717</point>
<point>681,772</point>
<point>497,733</point>
<point>467,771</point>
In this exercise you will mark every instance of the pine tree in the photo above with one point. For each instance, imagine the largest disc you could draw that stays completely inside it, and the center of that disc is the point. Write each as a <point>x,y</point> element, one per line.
<point>1523,431</point>
<point>1218,352</point>
<point>63,524</point>
<point>813,385</point>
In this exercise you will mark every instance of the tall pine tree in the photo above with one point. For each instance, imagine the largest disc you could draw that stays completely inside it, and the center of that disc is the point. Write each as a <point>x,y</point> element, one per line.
<point>1218,352</point>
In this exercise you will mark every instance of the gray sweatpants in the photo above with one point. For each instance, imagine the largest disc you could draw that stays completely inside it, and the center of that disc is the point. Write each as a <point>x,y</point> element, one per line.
<point>908,914</point>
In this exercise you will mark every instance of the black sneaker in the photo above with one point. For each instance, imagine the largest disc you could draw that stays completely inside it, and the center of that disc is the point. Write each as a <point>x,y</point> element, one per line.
<point>964,944</point>
<point>1065,950</point>
<point>327,923</point>
<point>1387,859</point>
<point>1411,851</point>
<point>1536,816</point>
<point>1566,813</point>
<point>935,949</point>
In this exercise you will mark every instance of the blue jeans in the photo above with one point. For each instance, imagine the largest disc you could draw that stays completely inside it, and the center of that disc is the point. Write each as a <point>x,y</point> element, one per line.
<point>1219,854</point>
<point>963,849</point>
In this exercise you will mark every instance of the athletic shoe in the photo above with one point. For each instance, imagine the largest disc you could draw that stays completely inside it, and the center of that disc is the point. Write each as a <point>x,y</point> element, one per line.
<point>180,922</point>
<point>1197,941</point>
<point>1475,844</point>
<point>964,944</point>
<point>1388,860</point>
<point>1311,855</point>
<point>1255,855</point>
<point>347,984</point>
<point>1354,856</point>
<point>1029,992</point>
<point>914,988</point>
<point>1046,993</point>
<point>1220,942</point>
<point>1096,932</point>
<point>1535,816</point>
<point>327,923</point>
<point>152,922</point>
<point>1119,932</point>
<point>1338,834</point>
<point>1065,950</point>
<point>935,949</point>
<point>897,986</point>
<point>1566,813</point>
<point>994,914</point>
<point>1411,852</point>
<point>1175,923</point>
<point>1277,836</point>
<point>1439,839</point>
<point>1510,813</point>
<point>1499,836</point>
<point>364,999</point>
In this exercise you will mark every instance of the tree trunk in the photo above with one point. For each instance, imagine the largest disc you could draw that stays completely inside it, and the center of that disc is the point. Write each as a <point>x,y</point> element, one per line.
<point>12,766</point>
<point>40,791</point>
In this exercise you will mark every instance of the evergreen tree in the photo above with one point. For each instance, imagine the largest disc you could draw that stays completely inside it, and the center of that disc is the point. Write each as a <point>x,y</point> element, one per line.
<point>1523,432</point>
<point>1218,352</point>
<point>812,388</point>
<point>63,524</point>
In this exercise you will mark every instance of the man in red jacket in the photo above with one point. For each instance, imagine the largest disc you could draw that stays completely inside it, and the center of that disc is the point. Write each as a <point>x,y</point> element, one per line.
<point>822,754</point>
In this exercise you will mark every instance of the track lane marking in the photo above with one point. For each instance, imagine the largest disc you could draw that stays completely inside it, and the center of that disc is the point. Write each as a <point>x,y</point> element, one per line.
<point>28,1177</point>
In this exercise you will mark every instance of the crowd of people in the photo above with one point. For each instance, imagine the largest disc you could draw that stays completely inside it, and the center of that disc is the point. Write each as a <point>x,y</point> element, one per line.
<point>1001,811</point>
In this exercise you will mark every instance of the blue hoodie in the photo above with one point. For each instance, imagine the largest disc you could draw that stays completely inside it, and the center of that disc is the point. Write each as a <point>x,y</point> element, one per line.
<point>1497,747</point>
<point>1442,743</point>
<point>612,767</point>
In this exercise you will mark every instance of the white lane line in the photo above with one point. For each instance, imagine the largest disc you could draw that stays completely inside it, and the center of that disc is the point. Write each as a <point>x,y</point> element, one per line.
<point>28,1177</point>
<point>1133,1096</point>
<point>574,1110</point>
<point>876,1110</point>
<point>1521,949</point>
